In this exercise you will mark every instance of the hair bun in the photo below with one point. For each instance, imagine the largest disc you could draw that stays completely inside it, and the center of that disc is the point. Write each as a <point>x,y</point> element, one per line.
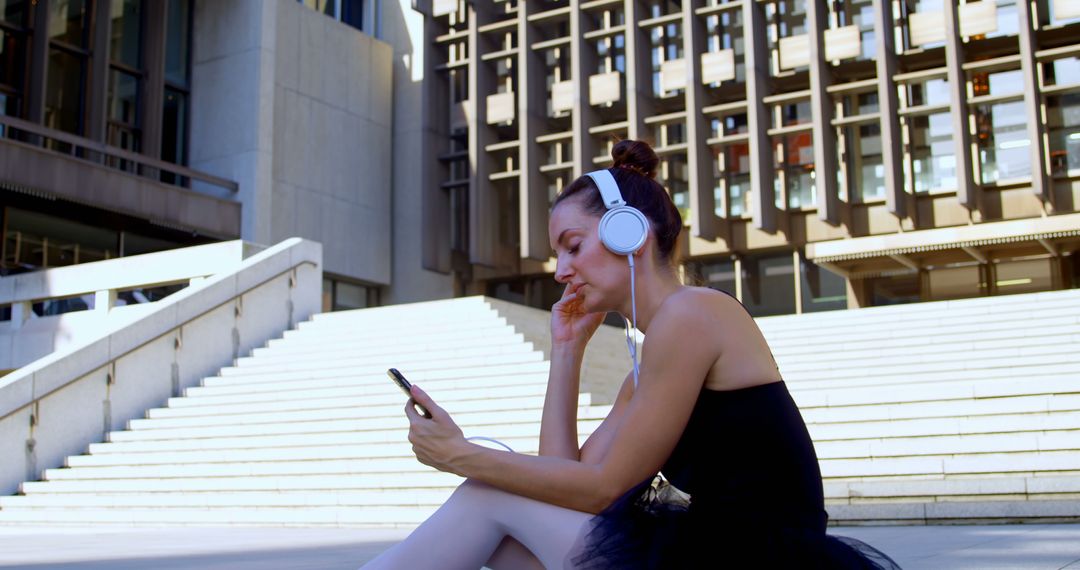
<point>635,155</point>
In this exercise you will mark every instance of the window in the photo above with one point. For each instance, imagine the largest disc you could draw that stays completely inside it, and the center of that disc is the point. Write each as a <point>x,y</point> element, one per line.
<point>666,45</point>
<point>786,19</point>
<point>858,13</point>
<point>794,156</point>
<point>733,180</point>
<point>611,54</point>
<point>1063,132</point>
<point>13,56</point>
<point>674,175</point>
<point>930,152</point>
<point>822,290</point>
<point>69,38</point>
<point>1001,125</point>
<point>350,12</point>
<point>768,284</point>
<point>863,170</point>
<point>725,32</point>
<point>174,136</point>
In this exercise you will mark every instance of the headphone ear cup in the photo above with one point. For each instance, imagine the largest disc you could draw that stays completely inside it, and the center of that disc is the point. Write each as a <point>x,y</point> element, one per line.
<point>623,230</point>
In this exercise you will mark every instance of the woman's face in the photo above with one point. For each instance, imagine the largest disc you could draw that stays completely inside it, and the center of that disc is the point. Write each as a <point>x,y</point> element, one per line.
<point>600,277</point>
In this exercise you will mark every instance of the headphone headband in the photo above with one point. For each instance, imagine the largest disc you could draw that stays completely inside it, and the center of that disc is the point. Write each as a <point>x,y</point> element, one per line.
<point>609,189</point>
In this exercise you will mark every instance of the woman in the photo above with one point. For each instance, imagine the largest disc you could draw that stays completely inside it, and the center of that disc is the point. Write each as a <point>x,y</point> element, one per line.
<point>710,409</point>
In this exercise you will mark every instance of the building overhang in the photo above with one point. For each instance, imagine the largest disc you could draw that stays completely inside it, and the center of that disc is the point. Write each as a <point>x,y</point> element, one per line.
<point>874,255</point>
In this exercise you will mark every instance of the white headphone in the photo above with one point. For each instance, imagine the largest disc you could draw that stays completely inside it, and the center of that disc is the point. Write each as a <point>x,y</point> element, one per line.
<point>622,230</point>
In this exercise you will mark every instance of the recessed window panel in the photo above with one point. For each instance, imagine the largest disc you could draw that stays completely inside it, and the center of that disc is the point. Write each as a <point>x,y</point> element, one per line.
<point>69,21</point>
<point>1063,71</point>
<point>822,290</point>
<point>12,59</point>
<point>1063,131</point>
<point>177,41</point>
<point>931,152</point>
<point>13,11</point>
<point>930,92</point>
<point>1004,145</point>
<point>865,171</point>
<point>64,96</point>
<point>768,284</point>
<point>126,31</point>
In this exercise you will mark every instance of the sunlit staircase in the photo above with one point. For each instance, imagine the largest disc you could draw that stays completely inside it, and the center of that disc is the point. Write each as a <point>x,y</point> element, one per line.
<point>935,412</point>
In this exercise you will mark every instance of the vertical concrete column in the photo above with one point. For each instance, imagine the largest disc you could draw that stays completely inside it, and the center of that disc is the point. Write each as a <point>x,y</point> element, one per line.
<point>1036,129</point>
<point>967,191</point>
<point>483,204</point>
<point>824,134</point>
<point>531,104</point>
<point>582,66</point>
<point>638,72</point>
<point>762,174</point>
<point>154,63</point>
<point>891,142</point>
<point>39,65</point>
<point>703,222</point>
<point>435,202</point>
<point>100,36</point>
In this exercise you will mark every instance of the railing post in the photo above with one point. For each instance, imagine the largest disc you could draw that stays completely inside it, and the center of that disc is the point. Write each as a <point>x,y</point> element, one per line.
<point>20,312</point>
<point>105,300</point>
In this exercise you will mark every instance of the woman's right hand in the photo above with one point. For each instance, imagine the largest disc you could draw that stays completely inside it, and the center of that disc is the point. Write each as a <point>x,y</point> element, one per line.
<point>571,326</point>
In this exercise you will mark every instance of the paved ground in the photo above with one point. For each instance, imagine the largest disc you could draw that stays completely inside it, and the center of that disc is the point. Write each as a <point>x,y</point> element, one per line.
<point>1028,547</point>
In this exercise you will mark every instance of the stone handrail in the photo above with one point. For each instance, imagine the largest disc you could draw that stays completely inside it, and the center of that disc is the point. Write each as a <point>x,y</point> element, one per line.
<point>56,406</point>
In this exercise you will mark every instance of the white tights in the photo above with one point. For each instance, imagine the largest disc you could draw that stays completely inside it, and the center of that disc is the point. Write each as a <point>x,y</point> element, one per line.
<point>480,525</point>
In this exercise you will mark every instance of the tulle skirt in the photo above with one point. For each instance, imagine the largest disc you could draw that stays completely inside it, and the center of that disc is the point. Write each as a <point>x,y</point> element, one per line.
<point>652,526</point>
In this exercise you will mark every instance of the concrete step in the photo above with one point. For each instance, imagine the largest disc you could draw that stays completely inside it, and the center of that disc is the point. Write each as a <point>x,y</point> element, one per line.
<point>956,512</point>
<point>296,499</point>
<point>928,374</point>
<point>287,516</point>
<point>419,339</point>
<point>259,439</point>
<point>940,465</point>
<point>1041,403</point>
<point>1001,423</point>
<point>992,355</point>
<point>487,422</point>
<point>364,410</point>
<point>500,344</point>
<point>416,372</point>
<point>842,394</point>
<point>433,330</point>
<point>374,394</point>
<point>428,478</point>
<point>998,488</point>
<point>884,333</point>
<point>532,374</point>
<point>381,363</point>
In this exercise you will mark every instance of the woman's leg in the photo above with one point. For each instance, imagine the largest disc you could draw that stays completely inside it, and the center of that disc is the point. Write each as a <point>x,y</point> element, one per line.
<point>468,529</point>
<point>512,555</point>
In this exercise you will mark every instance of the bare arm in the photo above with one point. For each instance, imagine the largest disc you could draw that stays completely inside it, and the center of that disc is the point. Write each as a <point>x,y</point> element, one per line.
<point>649,428</point>
<point>596,447</point>
<point>558,425</point>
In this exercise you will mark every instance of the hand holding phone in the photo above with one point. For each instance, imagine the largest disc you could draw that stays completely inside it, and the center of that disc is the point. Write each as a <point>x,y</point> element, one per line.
<point>406,387</point>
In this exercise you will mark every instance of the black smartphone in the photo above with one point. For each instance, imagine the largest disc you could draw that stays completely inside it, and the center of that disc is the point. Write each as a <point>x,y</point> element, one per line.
<point>404,384</point>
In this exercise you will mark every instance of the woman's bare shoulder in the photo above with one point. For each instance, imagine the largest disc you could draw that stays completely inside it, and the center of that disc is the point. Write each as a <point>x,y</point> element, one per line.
<point>700,306</point>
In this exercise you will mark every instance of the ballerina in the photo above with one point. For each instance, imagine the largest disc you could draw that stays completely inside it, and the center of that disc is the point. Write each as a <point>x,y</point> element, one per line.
<point>596,505</point>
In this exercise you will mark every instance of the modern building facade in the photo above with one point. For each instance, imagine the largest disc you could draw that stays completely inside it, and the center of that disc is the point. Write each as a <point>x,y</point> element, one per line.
<point>422,141</point>
<point>824,154</point>
<point>131,126</point>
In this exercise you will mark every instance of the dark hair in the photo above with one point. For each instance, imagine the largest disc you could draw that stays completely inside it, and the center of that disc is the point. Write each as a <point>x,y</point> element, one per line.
<point>634,170</point>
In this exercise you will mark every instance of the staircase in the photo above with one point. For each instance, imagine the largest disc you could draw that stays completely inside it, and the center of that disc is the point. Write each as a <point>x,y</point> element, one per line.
<point>937,412</point>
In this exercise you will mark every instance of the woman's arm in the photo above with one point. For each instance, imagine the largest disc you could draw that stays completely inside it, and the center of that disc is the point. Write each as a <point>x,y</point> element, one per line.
<point>679,350</point>
<point>558,425</point>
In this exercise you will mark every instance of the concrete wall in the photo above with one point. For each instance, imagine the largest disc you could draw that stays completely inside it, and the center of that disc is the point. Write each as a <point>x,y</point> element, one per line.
<point>58,405</point>
<point>403,28</point>
<point>297,108</point>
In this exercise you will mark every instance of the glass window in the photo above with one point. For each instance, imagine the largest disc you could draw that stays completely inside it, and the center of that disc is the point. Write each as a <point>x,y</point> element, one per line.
<point>12,68</point>
<point>174,122</point>
<point>768,284</point>
<point>997,83</point>
<point>68,22</point>
<point>795,114</point>
<point>1063,71</point>
<point>795,161</point>
<point>123,107</point>
<point>666,45</point>
<point>33,240</point>
<point>13,11</point>
<point>733,180</point>
<point>719,275</point>
<point>865,171</point>
<point>785,18</point>
<point>895,289</point>
<point>957,282</point>
<point>929,92</point>
<point>674,175</point>
<point>1057,20</point>
<point>64,96</point>
<point>857,13</point>
<point>177,42</point>
<point>126,32</point>
<point>860,103</point>
<point>931,153</point>
<point>611,54</point>
<point>725,31</point>
<point>1004,146</point>
<point>1023,276</point>
<point>822,290</point>
<point>352,13</point>
<point>325,6</point>
<point>659,8</point>
<point>1063,131</point>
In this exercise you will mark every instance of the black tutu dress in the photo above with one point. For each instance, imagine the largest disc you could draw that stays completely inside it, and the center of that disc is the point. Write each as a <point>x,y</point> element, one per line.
<point>742,489</point>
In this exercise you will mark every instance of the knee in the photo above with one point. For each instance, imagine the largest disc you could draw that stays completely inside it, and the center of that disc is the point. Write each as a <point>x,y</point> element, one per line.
<point>475,488</point>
